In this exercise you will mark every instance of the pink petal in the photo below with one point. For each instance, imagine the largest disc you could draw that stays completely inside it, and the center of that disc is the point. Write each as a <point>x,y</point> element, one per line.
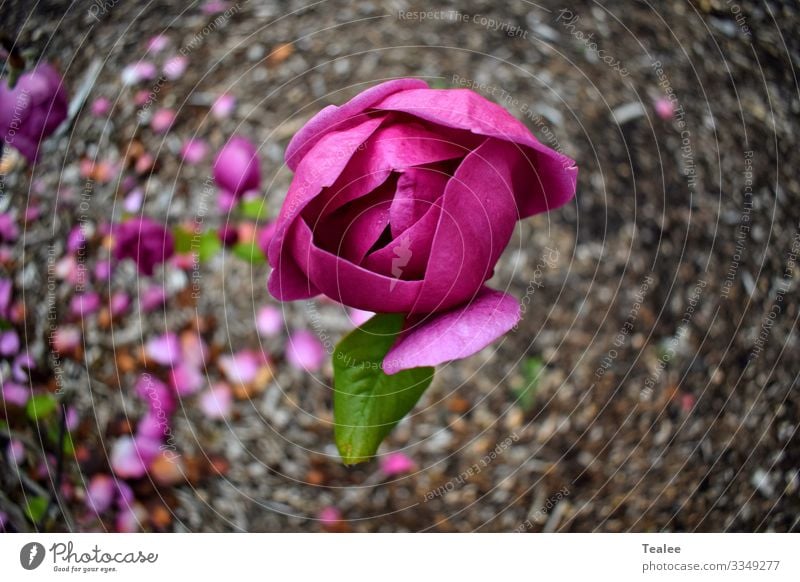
<point>194,150</point>
<point>155,393</point>
<point>162,120</point>
<point>100,493</point>
<point>84,304</point>
<point>305,352</point>
<point>164,349</point>
<point>101,106</point>
<point>13,393</point>
<point>152,298</point>
<point>175,67</point>
<point>269,321</point>
<point>242,367</point>
<point>136,72</point>
<point>664,108</point>
<point>330,515</point>
<point>217,401</point>
<point>186,379</point>
<point>236,168</point>
<point>129,457</point>
<point>133,201</point>
<point>454,334</point>
<point>194,349</point>
<point>396,464</point>
<point>223,106</point>
<point>66,339</point>
<point>119,303</point>
<point>15,451</point>
<point>157,43</point>
<point>334,118</point>
<point>130,519</point>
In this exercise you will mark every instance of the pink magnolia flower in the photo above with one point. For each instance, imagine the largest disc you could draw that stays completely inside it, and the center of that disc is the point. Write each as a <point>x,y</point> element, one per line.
<point>32,110</point>
<point>145,241</point>
<point>269,321</point>
<point>223,106</point>
<point>304,351</point>
<point>100,493</point>
<point>403,200</point>
<point>396,463</point>
<point>236,168</point>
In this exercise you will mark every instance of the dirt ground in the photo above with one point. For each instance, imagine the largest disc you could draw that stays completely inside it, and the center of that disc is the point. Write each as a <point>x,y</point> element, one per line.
<point>661,304</point>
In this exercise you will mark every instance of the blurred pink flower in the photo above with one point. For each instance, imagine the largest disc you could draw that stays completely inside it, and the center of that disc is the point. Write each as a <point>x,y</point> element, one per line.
<point>330,515</point>
<point>664,108</point>
<point>162,120</point>
<point>101,106</point>
<point>119,303</point>
<point>236,168</point>
<point>304,351</point>
<point>269,321</point>
<point>157,43</point>
<point>137,72</point>
<point>13,393</point>
<point>217,401</point>
<point>396,463</point>
<point>241,367</point>
<point>66,339</point>
<point>223,106</point>
<point>84,304</point>
<point>100,493</point>
<point>194,150</point>
<point>175,67</point>
<point>9,343</point>
<point>164,349</point>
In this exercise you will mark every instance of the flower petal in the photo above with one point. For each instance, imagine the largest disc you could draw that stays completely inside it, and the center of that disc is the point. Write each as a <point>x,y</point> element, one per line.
<point>454,334</point>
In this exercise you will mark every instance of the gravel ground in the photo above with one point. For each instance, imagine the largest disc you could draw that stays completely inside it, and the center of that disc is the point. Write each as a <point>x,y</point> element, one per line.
<point>661,305</point>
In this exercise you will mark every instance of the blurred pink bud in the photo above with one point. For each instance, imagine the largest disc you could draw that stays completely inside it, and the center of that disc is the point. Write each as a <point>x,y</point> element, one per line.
<point>152,298</point>
<point>162,120</point>
<point>194,150</point>
<point>84,304</point>
<point>101,106</point>
<point>223,106</point>
<point>9,343</point>
<point>137,72</point>
<point>269,321</point>
<point>217,401</point>
<point>175,67</point>
<point>396,464</point>
<point>242,367</point>
<point>15,451</point>
<point>130,519</point>
<point>157,43</point>
<point>186,379</point>
<point>226,201</point>
<point>14,393</point>
<point>228,235</point>
<point>100,493</point>
<point>664,108</point>
<point>164,349</point>
<point>66,339</point>
<point>304,351</point>
<point>330,516</point>
<point>119,303</point>
<point>236,168</point>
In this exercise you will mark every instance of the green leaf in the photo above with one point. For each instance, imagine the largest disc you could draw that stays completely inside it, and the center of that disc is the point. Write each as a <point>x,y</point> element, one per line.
<point>41,406</point>
<point>532,369</point>
<point>367,404</point>
<point>249,252</point>
<point>209,245</point>
<point>35,508</point>
<point>183,240</point>
<point>255,208</point>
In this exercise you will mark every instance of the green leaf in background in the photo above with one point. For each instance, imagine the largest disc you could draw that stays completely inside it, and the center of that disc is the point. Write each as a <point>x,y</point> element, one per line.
<point>255,208</point>
<point>41,406</point>
<point>532,369</point>
<point>209,245</point>
<point>367,404</point>
<point>35,508</point>
<point>183,240</point>
<point>250,252</point>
